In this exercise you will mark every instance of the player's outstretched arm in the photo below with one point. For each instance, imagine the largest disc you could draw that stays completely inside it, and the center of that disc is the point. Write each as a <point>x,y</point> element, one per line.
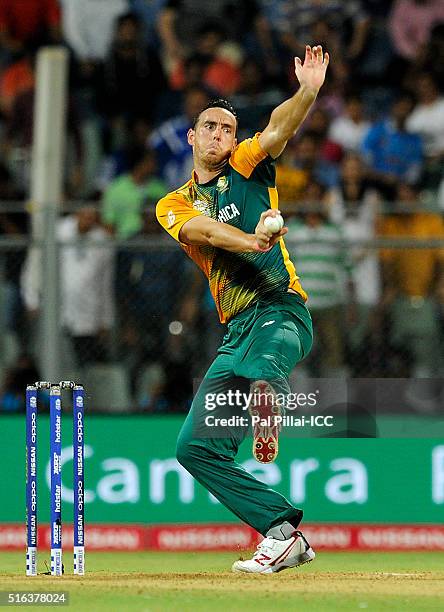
<point>203,230</point>
<point>288,116</point>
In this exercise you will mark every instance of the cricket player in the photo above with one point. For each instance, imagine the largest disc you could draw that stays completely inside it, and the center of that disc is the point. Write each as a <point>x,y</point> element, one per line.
<point>219,217</point>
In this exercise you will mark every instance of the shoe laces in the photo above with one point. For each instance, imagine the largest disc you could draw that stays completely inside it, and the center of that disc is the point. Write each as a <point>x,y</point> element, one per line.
<point>265,547</point>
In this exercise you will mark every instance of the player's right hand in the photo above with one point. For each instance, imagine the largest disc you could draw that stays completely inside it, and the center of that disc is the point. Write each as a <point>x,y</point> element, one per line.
<point>264,238</point>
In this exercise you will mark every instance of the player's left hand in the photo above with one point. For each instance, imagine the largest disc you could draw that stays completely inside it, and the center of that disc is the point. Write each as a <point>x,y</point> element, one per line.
<point>264,238</point>
<point>311,73</point>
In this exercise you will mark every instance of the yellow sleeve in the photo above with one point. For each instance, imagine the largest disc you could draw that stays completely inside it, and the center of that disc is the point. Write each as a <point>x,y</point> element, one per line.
<point>247,155</point>
<point>173,211</point>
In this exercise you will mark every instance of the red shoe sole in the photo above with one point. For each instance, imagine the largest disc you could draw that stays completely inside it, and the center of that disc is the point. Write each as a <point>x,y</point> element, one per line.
<point>265,436</point>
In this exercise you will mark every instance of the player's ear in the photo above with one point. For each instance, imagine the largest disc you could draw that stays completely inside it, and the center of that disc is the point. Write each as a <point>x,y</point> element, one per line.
<point>234,145</point>
<point>190,137</point>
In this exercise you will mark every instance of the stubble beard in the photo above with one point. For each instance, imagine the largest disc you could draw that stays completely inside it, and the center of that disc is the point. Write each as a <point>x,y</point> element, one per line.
<point>211,165</point>
<point>216,165</point>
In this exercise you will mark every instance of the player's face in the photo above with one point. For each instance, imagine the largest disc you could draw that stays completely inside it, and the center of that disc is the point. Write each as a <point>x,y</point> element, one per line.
<point>214,137</point>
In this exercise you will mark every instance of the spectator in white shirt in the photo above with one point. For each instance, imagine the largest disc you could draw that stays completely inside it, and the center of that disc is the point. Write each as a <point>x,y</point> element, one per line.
<point>86,285</point>
<point>427,118</point>
<point>349,129</point>
<point>353,206</point>
<point>88,26</point>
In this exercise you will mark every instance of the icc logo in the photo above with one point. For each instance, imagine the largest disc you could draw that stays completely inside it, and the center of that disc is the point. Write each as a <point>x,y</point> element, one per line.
<point>79,402</point>
<point>33,402</point>
<point>58,404</point>
<point>171,218</point>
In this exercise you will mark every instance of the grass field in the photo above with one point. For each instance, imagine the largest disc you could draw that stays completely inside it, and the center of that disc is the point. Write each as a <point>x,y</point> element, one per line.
<point>203,582</point>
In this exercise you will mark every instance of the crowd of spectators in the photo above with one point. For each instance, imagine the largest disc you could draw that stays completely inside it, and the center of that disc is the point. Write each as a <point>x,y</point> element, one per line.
<point>368,163</point>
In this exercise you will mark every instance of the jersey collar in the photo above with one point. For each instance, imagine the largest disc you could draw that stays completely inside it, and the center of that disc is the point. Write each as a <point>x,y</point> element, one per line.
<point>210,183</point>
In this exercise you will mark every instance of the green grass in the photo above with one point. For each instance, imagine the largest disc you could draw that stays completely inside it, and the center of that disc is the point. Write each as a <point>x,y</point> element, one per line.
<point>171,582</point>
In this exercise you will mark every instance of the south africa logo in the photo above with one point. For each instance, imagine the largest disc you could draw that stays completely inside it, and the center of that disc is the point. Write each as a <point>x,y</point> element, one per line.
<point>222,184</point>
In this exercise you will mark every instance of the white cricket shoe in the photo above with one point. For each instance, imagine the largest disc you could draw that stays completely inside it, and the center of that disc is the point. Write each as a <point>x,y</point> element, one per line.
<point>276,555</point>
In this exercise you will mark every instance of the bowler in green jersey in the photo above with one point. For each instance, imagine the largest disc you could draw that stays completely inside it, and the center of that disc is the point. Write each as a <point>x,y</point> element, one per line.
<point>219,219</point>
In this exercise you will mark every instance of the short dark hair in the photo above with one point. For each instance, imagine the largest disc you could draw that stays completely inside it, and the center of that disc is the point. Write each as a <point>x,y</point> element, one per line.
<point>136,154</point>
<point>416,187</point>
<point>310,135</point>
<point>219,103</point>
<point>129,16</point>
<point>352,96</point>
<point>211,26</point>
<point>403,94</point>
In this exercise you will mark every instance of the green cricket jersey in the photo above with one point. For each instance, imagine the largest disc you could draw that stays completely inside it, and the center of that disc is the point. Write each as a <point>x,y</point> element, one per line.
<point>243,190</point>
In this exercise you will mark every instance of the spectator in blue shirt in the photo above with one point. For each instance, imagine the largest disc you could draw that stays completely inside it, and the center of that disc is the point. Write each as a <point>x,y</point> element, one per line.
<point>392,153</point>
<point>149,11</point>
<point>169,141</point>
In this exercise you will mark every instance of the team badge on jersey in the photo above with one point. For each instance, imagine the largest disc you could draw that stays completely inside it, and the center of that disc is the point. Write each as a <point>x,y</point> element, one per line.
<point>222,184</point>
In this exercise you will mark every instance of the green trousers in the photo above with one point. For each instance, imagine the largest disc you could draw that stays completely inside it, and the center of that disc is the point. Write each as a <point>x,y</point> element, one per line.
<point>264,342</point>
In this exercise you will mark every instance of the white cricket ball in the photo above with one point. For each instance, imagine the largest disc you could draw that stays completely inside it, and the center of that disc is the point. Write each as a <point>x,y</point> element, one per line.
<point>274,224</point>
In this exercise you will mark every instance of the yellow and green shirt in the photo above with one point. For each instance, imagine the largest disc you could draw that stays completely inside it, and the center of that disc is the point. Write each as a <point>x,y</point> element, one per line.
<point>243,190</point>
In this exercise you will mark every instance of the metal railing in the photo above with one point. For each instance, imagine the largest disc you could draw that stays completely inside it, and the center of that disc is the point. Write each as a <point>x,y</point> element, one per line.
<point>154,283</point>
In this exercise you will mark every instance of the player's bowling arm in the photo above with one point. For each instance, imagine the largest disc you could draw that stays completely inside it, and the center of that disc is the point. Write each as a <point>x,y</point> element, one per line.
<point>203,231</point>
<point>285,121</point>
<point>286,118</point>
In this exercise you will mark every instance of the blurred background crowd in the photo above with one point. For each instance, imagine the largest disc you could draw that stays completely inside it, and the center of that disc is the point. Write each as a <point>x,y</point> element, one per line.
<point>361,186</point>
